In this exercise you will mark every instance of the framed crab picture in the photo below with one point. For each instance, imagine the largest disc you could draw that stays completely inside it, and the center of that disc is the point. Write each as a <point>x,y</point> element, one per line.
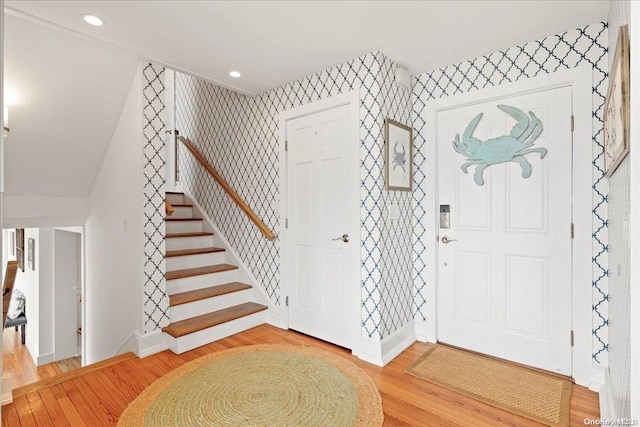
<point>399,155</point>
<point>616,107</point>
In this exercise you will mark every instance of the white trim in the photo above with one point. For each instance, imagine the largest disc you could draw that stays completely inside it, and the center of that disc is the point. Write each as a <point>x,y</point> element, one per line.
<point>421,330</point>
<point>382,352</point>
<point>634,216</point>
<point>398,342</point>
<point>244,274</point>
<point>170,124</point>
<point>45,359</point>
<point>370,350</point>
<point>148,344</point>
<point>605,396</point>
<point>580,78</point>
<point>7,390</point>
<point>352,99</point>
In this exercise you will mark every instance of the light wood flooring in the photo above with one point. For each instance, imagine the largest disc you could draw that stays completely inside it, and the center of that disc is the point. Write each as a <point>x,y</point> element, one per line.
<point>97,397</point>
<point>17,362</point>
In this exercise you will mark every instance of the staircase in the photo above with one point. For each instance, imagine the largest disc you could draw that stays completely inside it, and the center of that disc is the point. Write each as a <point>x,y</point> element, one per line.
<point>207,301</point>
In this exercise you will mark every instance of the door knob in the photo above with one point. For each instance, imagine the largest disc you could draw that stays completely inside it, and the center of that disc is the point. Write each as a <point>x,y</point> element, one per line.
<point>344,238</point>
<point>446,239</point>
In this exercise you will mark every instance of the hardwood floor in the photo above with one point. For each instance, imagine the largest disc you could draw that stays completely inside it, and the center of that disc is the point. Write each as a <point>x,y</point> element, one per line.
<point>17,362</point>
<point>98,398</point>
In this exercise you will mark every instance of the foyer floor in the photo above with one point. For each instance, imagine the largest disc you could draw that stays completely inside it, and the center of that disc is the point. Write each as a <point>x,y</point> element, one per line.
<point>98,397</point>
<point>17,362</point>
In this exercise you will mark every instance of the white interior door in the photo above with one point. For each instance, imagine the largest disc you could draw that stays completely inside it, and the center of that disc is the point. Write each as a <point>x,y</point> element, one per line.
<point>323,207</point>
<point>66,284</point>
<point>504,285</point>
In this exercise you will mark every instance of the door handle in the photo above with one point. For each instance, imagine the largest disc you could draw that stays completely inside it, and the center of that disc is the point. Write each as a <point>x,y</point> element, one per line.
<point>446,239</point>
<point>344,238</point>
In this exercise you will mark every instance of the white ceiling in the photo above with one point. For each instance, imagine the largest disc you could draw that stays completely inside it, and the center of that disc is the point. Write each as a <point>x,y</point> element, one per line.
<point>73,78</point>
<point>274,42</point>
<point>70,93</point>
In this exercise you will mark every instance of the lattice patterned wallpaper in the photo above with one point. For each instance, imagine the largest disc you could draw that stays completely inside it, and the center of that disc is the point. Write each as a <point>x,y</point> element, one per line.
<point>396,290</point>
<point>156,303</point>
<point>239,135</point>
<point>562,51</point>
<point>619,255</point>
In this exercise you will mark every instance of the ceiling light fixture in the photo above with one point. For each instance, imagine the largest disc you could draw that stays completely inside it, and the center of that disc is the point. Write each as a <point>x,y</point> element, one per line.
<point>235,74</point>
<point>92,20</point>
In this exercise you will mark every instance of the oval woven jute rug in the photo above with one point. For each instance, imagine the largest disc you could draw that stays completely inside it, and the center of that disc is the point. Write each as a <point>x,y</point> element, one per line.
<point>260,385</point>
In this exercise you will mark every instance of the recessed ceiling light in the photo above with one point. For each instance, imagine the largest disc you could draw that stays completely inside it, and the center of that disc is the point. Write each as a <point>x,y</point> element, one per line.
<point>235,74</point>
<point>92,20</point>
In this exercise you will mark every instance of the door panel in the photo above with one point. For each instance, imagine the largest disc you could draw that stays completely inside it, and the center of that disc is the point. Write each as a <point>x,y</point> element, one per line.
<point>472,298</point>
<point>504,280</point>
<point>322,168</point>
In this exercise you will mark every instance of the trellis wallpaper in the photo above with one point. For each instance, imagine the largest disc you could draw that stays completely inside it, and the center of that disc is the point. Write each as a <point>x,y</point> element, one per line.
<point>619,255</point>
<point>239,135</point>
<point>155,301</point>
<point>561,51</point>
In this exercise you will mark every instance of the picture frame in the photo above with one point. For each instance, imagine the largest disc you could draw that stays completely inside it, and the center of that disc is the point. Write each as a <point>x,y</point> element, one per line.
<point>616,107</point>
<point>12,243</point>
<point>31,249</point>
<point>20,248</point>
<point>398,155</point>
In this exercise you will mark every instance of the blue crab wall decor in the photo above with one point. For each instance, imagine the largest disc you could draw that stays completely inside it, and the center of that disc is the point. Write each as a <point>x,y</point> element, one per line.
<point>507,148</point>
<point>399,158</point>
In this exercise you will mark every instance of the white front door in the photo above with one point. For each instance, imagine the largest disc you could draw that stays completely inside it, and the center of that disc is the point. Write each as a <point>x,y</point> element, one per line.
<point>323,200</point>
<point>504,263</point>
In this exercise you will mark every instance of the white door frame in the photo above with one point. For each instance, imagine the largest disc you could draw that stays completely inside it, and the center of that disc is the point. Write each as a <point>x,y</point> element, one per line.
<point>580,79</point>
<point>352,99</point>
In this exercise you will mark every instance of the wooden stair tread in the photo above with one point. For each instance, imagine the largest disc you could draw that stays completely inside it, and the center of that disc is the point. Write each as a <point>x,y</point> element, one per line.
<point>197,271</point>
<point>196,251</point>
<point>210,292</point>
<point>183,219</point>
<point>198,323</point>
<point>194,234</point>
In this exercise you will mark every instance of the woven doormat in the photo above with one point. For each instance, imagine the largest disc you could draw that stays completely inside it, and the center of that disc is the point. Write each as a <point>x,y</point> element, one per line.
<point>517,389</point>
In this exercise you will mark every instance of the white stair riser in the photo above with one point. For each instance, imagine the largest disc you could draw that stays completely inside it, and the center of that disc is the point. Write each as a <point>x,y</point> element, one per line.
<point>183,226</point>
<point>192,261</point>
<point>192,283</point>
<point>209,305</point>
<point>175,199</point>
<point>182,212</point>
<point>180,243</point>
<point>215,333</point>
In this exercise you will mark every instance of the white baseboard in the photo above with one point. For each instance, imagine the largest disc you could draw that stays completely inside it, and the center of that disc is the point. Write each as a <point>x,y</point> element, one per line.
<point>370,350</point>
<point>421,330</point>
<point>43,359</point>
<point>605,394</point>
<point>398,342</point>
<point>7,390</point>
<point>148,344</point>
<point>381,352</point>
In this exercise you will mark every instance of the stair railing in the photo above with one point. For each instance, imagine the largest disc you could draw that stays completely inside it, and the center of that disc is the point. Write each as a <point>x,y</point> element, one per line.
<point>7,288</point>
<point>224,184</point>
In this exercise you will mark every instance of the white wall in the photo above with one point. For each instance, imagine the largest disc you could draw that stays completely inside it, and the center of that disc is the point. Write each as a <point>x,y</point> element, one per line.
<point>29,212</point>
<point>37,286</point>
<point>44,267</point>
<point>28,282</point>
<point>113,298</point>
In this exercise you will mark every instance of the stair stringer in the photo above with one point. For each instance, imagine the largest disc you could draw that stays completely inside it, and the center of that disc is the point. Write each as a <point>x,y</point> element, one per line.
<point>273,314</point>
